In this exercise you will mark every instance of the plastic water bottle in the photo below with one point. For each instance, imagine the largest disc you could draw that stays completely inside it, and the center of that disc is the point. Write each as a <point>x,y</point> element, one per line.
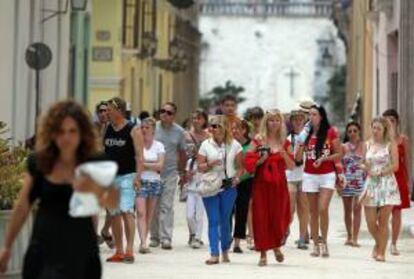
<point>303,135</point>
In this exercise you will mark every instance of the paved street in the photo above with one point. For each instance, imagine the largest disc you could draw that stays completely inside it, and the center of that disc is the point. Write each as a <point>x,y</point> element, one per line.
<point>184,262</point>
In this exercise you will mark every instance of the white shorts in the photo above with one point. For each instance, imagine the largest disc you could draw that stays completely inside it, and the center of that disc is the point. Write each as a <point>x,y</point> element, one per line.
<point>313,182</point>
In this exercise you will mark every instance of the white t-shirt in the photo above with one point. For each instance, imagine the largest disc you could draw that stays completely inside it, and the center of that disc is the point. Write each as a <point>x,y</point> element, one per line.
<point>151,155</point>
<point>192,185</point>
<point>212,151</point>
<point>296,174</point>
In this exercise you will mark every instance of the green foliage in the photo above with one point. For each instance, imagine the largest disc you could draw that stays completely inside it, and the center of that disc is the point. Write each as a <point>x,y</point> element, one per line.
<point>337,94</point>
<point>213,97</point>
<point>12,166</point>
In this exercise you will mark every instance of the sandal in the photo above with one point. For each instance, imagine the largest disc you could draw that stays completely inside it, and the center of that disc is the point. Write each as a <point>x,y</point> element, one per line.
<point>262,262</point>
<point>129,258</point>
<point>394,250</point>
<point>225,258</point>
<point>108,240</point>
<point>212,261</point>
<point>349,242</point>
<point>316,251</point>
<point>116,258</point>
<point>279,256</point>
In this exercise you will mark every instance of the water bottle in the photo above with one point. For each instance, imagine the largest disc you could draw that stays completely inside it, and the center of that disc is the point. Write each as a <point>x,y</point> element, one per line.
<point>303,135</point>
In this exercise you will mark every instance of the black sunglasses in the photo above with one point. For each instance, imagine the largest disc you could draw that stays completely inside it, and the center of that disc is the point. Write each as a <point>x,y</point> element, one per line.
<point>215,126</point>
<point>167,112</point>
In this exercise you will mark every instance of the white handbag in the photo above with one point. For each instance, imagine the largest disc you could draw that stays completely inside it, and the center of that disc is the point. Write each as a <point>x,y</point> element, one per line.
<point>210,184</point>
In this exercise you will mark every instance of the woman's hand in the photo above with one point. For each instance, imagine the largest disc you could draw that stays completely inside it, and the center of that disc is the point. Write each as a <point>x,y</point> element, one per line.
<point>214,163</point>
<point>318,162</point>
<point>84,183</point>
<point>137,182</point>
<point>5,255</point>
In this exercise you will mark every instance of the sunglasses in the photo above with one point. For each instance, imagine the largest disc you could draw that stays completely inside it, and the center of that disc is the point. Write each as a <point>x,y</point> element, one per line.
<point>168,112</point>
<point>215,126</point>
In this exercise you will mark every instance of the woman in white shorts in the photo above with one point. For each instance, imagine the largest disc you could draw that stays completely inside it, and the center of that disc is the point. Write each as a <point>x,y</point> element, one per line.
<point>322,148</point>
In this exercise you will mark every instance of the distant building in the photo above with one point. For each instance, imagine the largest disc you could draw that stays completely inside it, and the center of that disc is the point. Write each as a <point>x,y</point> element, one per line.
<point>281,52</point>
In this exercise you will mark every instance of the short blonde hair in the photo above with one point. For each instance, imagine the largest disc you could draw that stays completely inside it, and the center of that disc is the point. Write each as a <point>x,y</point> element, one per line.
<point>264,131</point>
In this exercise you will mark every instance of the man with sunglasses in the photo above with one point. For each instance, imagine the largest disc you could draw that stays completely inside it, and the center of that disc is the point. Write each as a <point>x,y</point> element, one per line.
<point>173,137</point>
<point>101,111</point>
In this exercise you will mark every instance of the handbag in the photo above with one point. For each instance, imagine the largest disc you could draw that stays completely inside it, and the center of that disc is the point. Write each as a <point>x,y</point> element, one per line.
<point>211,182</point>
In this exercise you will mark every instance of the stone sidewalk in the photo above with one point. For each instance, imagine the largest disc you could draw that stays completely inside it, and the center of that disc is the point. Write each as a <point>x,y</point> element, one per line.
<point>184,262</point>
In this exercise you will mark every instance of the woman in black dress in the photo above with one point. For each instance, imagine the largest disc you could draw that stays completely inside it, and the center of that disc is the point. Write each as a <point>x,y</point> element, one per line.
<point>60,246</point>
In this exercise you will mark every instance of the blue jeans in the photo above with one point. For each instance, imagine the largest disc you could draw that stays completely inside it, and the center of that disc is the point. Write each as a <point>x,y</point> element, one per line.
<point>219,209</point>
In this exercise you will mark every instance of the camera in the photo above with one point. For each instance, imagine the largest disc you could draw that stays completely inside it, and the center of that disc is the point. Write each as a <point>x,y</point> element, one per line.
<point>263,150</point>
<point>227,183</point>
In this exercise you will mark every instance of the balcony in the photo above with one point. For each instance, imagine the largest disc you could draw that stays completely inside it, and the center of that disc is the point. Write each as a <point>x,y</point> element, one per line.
<point>277,9</point>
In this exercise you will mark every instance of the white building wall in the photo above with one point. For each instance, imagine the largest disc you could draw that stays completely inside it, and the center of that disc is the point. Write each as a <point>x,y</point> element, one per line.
<point>21,25</point>
<point>257,54</point>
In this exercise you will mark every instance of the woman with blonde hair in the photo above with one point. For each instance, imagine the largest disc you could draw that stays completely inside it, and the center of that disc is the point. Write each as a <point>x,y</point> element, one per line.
<point>381,189</point>
<point>270,156</point>
<point>223,155</point>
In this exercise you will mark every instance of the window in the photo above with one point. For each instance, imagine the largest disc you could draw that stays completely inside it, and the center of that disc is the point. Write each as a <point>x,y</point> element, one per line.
<point>130,23</point>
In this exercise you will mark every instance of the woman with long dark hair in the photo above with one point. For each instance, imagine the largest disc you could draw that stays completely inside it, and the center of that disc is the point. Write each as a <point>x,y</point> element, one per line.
<point>322,148</point>
<point>355,178</point>
<point>60,246</point>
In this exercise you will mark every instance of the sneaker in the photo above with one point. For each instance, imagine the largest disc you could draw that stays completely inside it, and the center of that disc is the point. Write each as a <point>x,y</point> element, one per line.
<point>191,239</point>
<point>166,245</point>
<point>302,245</point>
<point>154,243</point>
<point>237,249</point>
<point>116,258</point>
<point>195,244</point>
<point>129,258</point>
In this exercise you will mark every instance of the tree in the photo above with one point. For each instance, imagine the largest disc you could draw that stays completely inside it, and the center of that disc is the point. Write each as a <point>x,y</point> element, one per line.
<point>212,98</point>
<point>337,94</point>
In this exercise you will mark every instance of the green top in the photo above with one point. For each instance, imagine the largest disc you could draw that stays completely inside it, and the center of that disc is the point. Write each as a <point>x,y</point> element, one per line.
<point>245,148</point>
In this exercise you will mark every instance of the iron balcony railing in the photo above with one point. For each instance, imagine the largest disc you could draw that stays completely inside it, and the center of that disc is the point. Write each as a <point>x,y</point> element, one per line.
<point>276,9</point>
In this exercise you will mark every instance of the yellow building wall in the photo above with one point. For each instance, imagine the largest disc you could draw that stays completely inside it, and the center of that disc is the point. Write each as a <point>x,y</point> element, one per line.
<point>106,76</point>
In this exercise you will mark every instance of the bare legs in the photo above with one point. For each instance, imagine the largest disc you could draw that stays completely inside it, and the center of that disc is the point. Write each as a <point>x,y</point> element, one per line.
<point>145,212</point>
<point>352,218</point>
<point>377,221</point>
<point>396,228</point>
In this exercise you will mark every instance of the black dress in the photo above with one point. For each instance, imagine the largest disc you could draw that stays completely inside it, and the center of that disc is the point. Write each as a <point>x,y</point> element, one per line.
<point>60,246</point>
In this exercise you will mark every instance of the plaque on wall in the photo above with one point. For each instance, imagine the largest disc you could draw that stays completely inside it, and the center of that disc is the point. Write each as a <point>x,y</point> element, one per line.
<point>103,35</point>
<point>102,54</point>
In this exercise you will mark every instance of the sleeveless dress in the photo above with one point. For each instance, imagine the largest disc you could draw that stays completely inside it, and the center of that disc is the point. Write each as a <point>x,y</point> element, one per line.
<point>383,190</point>
<point>402,178</point>
<point>355,176</point>
<point>60,247</point>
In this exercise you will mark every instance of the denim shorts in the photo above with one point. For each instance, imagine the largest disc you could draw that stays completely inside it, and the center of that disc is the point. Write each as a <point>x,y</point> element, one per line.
<point>150,189</point>
<point>125,185</point>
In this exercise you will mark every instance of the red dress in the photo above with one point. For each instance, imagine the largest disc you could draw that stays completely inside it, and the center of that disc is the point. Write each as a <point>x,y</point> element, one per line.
<point>270,200</point>
<point>402,177</point>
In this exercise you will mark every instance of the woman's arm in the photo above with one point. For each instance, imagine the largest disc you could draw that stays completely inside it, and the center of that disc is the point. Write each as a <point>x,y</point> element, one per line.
<point>239,164</point>
<point>288,157</point>
<point>299,153</point>
<point>202,163</point>
<point>138,141</point>
<point>394,161</point>
<point>156,166</point>
<point>19,215</point>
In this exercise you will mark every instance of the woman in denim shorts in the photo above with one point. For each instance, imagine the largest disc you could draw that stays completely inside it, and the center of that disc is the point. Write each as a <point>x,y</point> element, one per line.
<point>151,187</point>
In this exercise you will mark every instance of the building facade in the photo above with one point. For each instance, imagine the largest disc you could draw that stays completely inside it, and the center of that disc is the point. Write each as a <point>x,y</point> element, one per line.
<point>147,52</point>
<point>281,52</point>
<point>65,32</point>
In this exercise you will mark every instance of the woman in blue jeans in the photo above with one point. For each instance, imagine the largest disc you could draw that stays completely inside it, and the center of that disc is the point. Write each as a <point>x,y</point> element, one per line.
<point>220,153</point>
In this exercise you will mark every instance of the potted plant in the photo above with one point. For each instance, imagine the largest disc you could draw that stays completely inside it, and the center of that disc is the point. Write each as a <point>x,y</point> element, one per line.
<point>12,166</point>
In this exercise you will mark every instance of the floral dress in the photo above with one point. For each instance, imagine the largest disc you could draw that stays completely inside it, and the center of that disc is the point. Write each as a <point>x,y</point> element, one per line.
<point>355,176</point>
<point>381,190</point>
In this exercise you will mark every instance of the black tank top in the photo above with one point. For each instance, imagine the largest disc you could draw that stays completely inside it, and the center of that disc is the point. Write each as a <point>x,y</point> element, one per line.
<point>119,147</point>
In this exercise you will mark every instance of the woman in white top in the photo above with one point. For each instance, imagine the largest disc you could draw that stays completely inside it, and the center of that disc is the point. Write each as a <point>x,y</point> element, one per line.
<point>151,186</point>
<point>381,189</point>
<point>223,154</point>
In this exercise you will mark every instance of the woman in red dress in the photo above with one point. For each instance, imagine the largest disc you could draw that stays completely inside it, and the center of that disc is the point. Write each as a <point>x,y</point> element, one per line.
<point>402,176</point>
<point>271,154</point>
